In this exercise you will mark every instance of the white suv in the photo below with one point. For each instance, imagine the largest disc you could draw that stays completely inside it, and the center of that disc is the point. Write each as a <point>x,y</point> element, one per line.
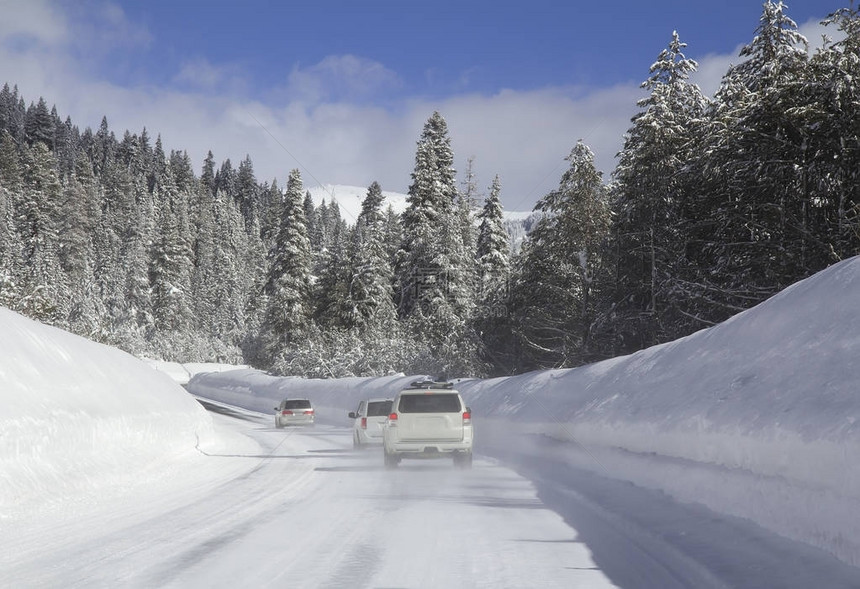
<point>428,420</point>
<point>368,421</point>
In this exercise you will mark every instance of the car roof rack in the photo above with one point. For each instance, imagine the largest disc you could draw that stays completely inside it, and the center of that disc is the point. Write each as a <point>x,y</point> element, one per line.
<point>430,384</point>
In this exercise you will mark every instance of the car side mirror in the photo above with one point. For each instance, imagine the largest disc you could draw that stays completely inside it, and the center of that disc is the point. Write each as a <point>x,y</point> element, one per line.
<point>276,408</point>
<point>352,415</point>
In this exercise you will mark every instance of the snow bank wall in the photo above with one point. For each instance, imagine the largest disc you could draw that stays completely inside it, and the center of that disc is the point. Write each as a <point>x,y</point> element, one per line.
<point>78,416</point>
<point>758,417</point>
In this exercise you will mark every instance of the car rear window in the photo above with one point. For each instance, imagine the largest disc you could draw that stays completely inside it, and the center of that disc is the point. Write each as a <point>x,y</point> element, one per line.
<point>378,408</point>
<point>297,404</point>
<point>430,403</point>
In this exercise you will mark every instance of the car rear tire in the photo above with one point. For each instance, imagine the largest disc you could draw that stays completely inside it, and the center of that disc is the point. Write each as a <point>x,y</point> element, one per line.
<point>463,460</point>
<point>391,460</point>
<point>278,423</point>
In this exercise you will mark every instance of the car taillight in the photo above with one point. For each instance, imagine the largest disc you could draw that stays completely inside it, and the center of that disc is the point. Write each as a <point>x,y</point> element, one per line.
<point>392,417</point>
<point>286,412</point>
<point>309,411</point>
<point>467,417</point>
<point>363,423</point>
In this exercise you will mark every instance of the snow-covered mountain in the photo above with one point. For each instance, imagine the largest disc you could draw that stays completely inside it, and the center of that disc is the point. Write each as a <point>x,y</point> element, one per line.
<point>349,199</point>
<point>518,225</point>
<point>758,417</point>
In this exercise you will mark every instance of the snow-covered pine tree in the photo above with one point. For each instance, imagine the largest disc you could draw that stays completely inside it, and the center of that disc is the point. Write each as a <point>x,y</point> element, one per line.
<point>331,292</point>
<point>310,214</point>
<point>38,214</point>
<point>226,180</point>
<point>431,200</point>
<point>171,267</point>
<point>206,273</point>
<point>553,302</point>
<point>757,205</point>
<point>8,103</point>
<point>10,163</point>
<point>247,193</point>
<point>104,146</point>
<point>16,115</point>
<point>9,255</point>
<point>288,313</point>
<point>650,202</point>
<point>122,248</point>
<point>492,249</point>
<point>81,211</point>
<point>492,321</point>
<point>432,265</point>
<point>335,225</point>
<point>38,124</point>
<point>371,207</point>
<point>464,260</point>
<point>467,200</point>
<point>831,148</point>
<point>317,230</point>
<point>271,207</point>
<point>232,280</point>
<point>392,236</point>
<point>138,241</point>
<point>370,293</point>
<point>68,147</point>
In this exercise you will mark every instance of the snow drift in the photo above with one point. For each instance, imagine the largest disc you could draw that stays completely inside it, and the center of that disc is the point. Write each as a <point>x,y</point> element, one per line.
<point>756,417</point>
<point>79,416</point>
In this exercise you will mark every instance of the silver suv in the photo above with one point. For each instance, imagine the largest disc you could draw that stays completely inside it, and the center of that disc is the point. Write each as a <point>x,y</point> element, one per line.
<point>428,420</point>
<point>368,420</point>
<point>294,412</point>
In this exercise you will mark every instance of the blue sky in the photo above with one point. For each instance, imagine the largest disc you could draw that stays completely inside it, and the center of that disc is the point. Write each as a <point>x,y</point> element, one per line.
<point>341,89</point>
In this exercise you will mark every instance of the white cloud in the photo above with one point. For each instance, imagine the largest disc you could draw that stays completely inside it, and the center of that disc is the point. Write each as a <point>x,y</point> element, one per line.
<point>711,70</point>
<point>815,33</point>
<point>200,74</point>
<point>341,77</point>
<point>525,136</point>
<point>31,21</point>
<point>106,24</point>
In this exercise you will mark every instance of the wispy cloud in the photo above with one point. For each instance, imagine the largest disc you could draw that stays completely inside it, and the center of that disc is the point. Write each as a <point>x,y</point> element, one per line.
<point>341,78</point>
<point>28,23</point>
<point>105,25</point>
<point>199,74</point>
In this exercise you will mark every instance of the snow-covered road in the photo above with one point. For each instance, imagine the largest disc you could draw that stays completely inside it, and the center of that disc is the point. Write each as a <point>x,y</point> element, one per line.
<point>306,510</point>
<point>642,538</point>
<point>300,508</point>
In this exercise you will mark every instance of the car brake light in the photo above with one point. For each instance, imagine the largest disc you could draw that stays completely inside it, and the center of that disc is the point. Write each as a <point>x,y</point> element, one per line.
<point>286,412</point>
<point>467,417</point>
<point>392,417</point>
<point>309,411</point>
<point>363,423</point>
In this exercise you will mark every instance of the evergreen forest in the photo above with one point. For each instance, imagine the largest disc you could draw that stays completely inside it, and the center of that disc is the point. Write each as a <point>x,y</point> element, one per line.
<point>715,204</point>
